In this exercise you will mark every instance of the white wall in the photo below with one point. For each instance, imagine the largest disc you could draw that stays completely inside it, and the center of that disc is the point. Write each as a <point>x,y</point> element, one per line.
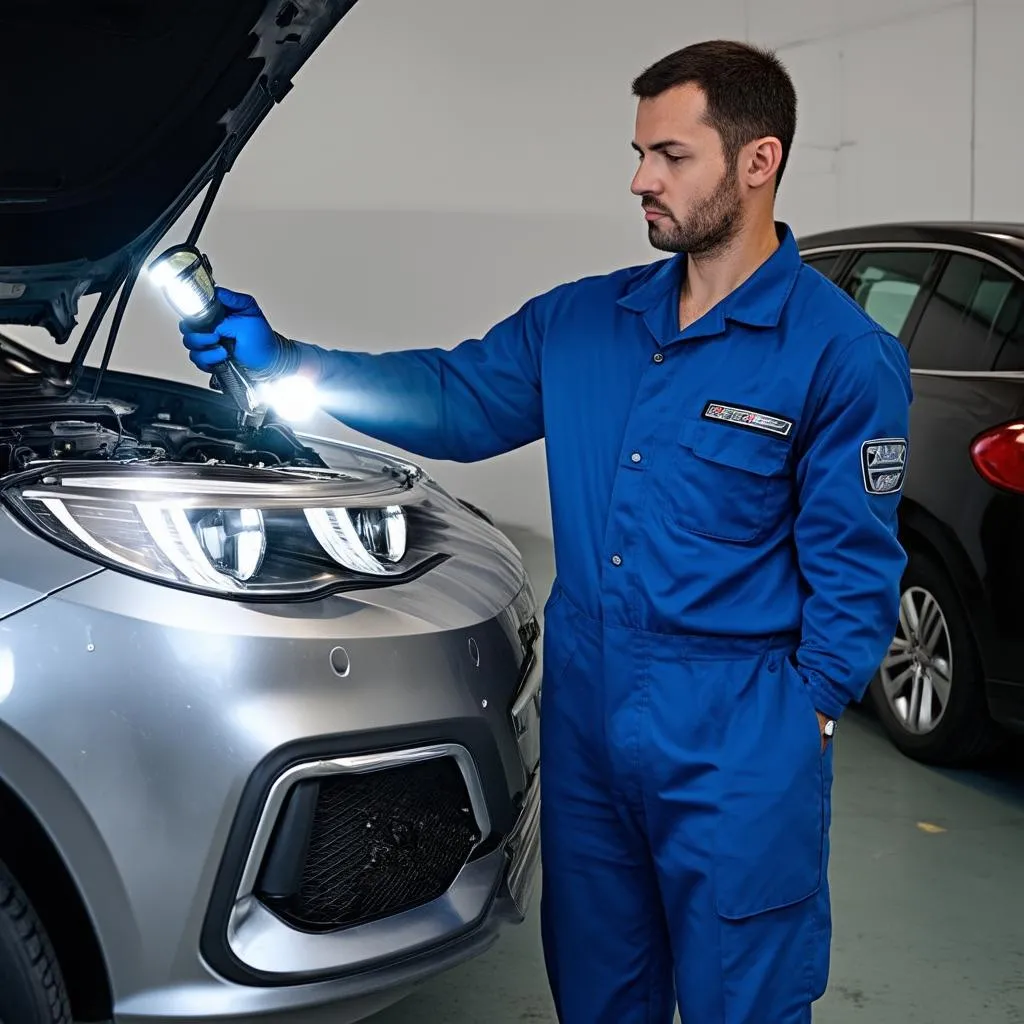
<point>441,160</point>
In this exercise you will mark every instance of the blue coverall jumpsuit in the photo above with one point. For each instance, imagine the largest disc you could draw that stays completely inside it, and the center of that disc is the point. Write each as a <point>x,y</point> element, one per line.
<point>724,512</point>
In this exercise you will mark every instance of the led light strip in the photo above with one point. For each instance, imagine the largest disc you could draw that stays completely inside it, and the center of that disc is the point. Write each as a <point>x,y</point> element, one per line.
<point>174,535</point>
<point>60,512</point>
<point>333,528</point>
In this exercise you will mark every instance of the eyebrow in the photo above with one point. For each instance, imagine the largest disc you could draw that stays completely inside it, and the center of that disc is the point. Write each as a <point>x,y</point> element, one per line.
<point>658,147</point>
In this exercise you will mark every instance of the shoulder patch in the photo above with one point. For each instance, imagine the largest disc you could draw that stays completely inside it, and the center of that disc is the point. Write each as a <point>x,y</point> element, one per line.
<point>883,462</point>
<point>750,419</point>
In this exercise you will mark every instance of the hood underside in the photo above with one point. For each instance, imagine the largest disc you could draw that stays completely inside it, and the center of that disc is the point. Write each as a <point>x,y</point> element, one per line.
<point>118,114</point>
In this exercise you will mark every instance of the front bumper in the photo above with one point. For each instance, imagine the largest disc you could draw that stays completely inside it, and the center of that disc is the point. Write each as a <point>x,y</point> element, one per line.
<point>264,947</point>
<point>496,893</point>
<point>148,729</point>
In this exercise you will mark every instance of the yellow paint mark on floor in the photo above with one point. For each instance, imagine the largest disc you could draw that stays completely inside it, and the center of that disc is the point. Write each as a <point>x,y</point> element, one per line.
<point>927,826</point>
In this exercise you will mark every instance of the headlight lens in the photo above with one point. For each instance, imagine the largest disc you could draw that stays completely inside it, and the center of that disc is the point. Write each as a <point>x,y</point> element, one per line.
<point>264,533</point>
<point>363,539</point>
<point>233,540</point>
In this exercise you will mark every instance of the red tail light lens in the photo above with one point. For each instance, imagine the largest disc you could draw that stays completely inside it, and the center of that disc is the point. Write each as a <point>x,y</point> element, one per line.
<point>998,455</point>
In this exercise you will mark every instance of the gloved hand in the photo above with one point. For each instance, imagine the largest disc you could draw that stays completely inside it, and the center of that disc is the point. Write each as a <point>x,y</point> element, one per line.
<point>244,333</point>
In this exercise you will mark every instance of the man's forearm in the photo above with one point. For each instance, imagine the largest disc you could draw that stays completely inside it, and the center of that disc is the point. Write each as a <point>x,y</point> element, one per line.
<point>480,399</point>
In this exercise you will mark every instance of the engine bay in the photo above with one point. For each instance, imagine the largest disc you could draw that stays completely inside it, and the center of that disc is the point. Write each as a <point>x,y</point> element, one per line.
<point>25,445</point>
<point>137,420</point>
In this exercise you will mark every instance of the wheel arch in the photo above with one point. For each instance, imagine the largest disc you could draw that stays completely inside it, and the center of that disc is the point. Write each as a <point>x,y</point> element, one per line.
<point>33,859</point>
<point>921,531</point>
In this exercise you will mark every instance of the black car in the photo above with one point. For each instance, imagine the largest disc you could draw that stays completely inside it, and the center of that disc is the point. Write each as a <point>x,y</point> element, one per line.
<point>951,688</point>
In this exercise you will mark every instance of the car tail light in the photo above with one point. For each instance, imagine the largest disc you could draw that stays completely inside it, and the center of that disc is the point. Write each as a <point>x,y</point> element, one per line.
<point>998,455</point>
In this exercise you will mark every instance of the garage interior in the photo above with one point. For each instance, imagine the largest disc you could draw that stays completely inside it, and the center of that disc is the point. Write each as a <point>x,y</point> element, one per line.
<point>439,162</point>
<point>463,155</point>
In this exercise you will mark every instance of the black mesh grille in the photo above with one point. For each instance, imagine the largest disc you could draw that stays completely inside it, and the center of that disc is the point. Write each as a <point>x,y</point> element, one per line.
<point>382,842</point>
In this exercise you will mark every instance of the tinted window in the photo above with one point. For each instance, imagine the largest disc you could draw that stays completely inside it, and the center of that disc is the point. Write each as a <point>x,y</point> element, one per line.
<point>976,307</point>
<point>825,263</point>
<point>1011,326</point>
<point>886,283</point>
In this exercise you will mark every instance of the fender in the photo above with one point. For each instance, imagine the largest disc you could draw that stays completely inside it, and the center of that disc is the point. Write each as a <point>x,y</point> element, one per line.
<point>51,802</point>
<point>919,528</point>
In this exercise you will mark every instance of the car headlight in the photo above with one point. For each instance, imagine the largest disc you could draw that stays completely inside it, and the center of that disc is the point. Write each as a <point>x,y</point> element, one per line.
<point>228,531</point>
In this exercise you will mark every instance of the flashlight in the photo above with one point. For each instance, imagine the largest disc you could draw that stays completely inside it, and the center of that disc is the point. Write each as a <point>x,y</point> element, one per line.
<point>185,277</point>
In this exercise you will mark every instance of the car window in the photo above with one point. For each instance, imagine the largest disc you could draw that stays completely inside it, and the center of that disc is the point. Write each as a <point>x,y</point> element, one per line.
<point>886,283</point>
<point>825,263</point>
<point>975,308</point>
<point>1010,327</point>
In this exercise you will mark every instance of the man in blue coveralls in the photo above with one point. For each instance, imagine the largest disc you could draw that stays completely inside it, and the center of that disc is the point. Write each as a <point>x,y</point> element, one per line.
<point>726,435</point>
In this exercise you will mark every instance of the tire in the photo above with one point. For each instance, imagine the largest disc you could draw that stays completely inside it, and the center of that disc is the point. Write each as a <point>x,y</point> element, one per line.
<point>949,723</point>
<point>31,986</point>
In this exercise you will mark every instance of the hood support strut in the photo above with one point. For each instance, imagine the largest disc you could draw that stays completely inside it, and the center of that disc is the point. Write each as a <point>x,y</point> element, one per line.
<point>125,283</point>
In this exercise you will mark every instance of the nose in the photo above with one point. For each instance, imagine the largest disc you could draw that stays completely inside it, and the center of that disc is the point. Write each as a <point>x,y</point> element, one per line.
<point>644,182</point>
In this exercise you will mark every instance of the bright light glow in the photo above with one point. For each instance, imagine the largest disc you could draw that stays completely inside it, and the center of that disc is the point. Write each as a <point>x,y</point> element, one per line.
<point>293,398</point>
<point>186,283</point>
<point>6,673</point>
<point>186,297</point>
<point>162,273</point>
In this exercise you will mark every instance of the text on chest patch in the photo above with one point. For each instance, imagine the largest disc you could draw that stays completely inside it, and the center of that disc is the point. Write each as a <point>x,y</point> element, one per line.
<point>751,419</point>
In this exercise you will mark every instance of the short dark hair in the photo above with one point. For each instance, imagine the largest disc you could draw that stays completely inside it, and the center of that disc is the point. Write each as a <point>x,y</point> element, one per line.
<point>749,92</point>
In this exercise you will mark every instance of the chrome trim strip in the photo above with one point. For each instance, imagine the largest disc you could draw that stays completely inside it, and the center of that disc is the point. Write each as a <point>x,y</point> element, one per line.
<point>526,712</point>
<point>937,246</point>
<point>1007,375</point>
<point>265,943</point>
<point>529,694</point>
<point>358,763</point>
<point>525,847</point>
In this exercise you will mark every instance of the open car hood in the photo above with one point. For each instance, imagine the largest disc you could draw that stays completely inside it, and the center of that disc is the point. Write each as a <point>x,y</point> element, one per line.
<point>118,114</point>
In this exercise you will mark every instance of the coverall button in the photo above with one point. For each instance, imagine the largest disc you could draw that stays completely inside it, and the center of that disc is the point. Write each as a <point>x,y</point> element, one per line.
<point>658,357</point>
<point>636,456</point>
<point>616,559</point>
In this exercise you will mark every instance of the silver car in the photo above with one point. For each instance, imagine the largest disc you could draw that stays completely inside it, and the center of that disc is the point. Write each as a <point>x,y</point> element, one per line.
<point>268,703</point>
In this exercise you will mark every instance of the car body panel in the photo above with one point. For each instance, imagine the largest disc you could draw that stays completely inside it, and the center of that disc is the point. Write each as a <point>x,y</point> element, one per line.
<point>34,569</point>
<point>138,717</point>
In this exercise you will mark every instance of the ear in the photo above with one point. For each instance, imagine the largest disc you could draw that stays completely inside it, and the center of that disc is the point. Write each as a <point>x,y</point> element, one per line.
<point>760,161</point>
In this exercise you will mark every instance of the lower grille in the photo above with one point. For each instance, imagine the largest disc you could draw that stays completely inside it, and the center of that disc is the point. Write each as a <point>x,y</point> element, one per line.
<point>381,842</point>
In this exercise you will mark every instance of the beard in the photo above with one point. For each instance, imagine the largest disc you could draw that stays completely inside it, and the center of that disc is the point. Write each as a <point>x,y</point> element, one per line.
<point>711,226</point>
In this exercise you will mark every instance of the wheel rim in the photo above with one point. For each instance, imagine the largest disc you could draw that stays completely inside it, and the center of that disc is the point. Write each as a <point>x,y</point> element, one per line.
<point>917,672</point>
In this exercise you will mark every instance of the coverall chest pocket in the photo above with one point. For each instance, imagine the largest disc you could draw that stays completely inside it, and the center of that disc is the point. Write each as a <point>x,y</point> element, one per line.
<point>730,483</point>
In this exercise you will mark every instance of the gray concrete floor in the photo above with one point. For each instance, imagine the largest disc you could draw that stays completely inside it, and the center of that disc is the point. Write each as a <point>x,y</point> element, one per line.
<point>928,896</point>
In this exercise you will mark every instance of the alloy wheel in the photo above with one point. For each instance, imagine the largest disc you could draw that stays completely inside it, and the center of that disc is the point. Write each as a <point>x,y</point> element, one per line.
<point>917,671</point>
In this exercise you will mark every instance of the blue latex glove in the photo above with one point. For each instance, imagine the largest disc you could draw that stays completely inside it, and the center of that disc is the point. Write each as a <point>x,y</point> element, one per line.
<point>244,331</point>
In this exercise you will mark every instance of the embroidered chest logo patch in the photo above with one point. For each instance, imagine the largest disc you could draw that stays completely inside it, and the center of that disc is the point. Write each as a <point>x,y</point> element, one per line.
<point>883,462</point>
<point>751,419</point>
